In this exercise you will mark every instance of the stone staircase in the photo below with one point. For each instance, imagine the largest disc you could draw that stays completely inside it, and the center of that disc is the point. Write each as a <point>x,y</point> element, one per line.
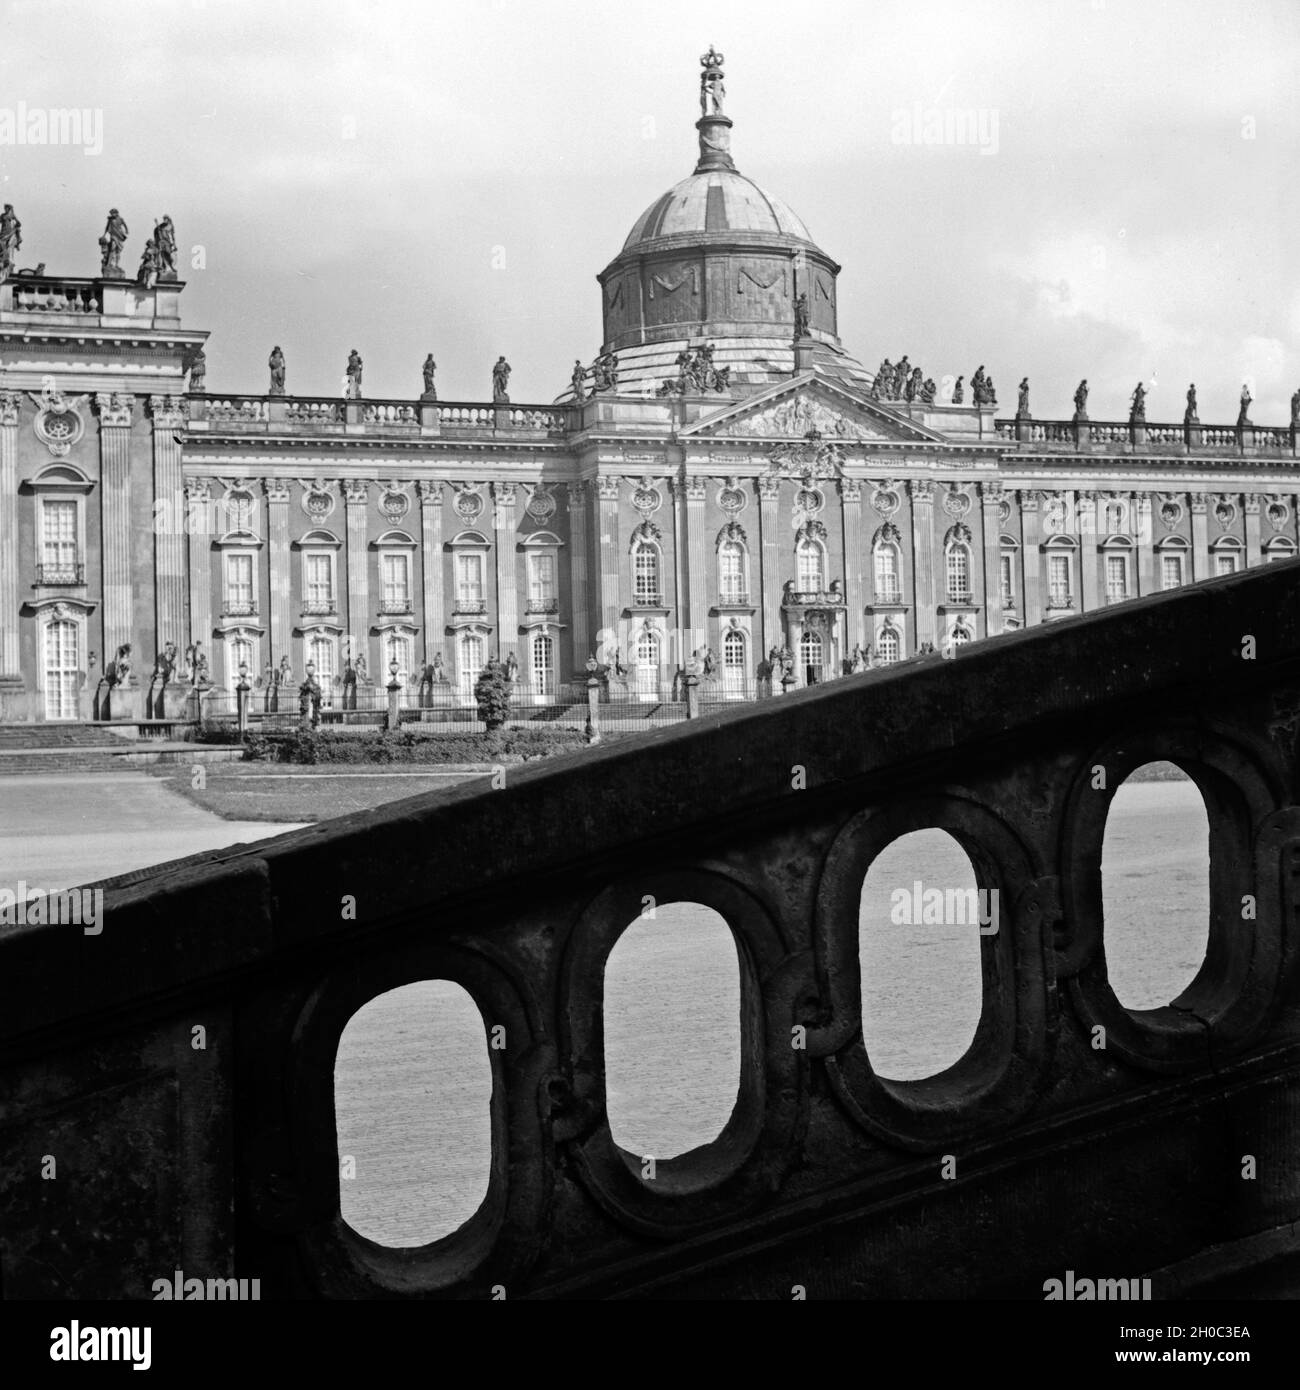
<point>36,748</point>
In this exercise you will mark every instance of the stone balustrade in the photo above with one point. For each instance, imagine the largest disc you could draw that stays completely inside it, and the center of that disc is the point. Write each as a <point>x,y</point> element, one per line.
<point>271,414</point>
<point>1118,1157</point>
<point>1141,436</point>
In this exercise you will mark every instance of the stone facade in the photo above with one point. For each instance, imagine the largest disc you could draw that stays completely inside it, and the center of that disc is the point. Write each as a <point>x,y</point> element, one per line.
<point>775,518</point>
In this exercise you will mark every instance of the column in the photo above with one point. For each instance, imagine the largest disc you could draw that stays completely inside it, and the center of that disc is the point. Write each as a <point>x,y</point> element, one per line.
<point>198,536</point>
<point>280,560</point>
<point>769,503</point>
<point>854,559</point>
<point>1089,585</point>
<point>1031,551</point>
<point>1254,555</point>
<point>578,542</point>
<point>10,405</point>
<point>169,541</point>
<point>356,491</point>
<point>607,526</point>
<point>115,414</point>
<point>921,491</point>
<point>991,497</point>
<point>434,618</point>
<point>504,497</point>
<point>697,564</point>
<point>1145,536</point>
<point>1200,537</point>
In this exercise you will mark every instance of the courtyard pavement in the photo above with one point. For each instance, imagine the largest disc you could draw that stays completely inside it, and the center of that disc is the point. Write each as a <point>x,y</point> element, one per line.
<point>65,829</point>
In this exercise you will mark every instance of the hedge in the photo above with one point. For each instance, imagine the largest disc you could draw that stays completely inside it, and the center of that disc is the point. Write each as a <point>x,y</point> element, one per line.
<point>328,746</point>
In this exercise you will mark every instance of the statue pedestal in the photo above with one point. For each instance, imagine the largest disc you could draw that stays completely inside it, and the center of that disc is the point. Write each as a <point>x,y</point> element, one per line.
<point>174,695</point>
<point>803,355</point>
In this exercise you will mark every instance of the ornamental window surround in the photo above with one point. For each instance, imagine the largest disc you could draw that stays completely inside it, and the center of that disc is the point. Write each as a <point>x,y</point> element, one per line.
<point>240,582</point>
<point>887,570</point>
<point>810,565</point>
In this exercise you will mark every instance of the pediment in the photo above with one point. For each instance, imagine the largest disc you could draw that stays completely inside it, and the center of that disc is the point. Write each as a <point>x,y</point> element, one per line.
<point>807,407</point>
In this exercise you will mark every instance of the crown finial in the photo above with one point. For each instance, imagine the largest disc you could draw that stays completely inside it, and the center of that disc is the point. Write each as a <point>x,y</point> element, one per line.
<point>713,126</point>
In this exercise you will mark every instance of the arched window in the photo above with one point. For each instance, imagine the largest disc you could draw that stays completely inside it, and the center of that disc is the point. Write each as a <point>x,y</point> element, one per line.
<point>731,572</point>
<point>887,645</point>
<point>810,566</point>
<point>241,653</point>
<point>61,669</point>
<point>810,656</point>
<point>958,568</point>
<point>320,652</point>
<point>647,662</point>
<point>645,573</point>
<point>733,659</point>
<point>888,589</point>
<point>543,665</point>
<point>471,662</point>
<point>397,647</point>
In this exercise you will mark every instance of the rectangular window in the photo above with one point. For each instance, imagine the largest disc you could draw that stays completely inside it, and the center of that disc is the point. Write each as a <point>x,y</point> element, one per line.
<point>958,574</point>
<point>1225,563</point>
<point>396,568</point>
<point>1006,584</point>
<point>1171,571</point>
<point>541,578</point>
<point>646,573</point>
<point>731,571</point>
<point>59,557</point>
<point>1116,578</point>
<point>1058,580</point>
<point>320,580</point>
<point>469,578</point>
<point>887,590</point>
<point>239,584</point>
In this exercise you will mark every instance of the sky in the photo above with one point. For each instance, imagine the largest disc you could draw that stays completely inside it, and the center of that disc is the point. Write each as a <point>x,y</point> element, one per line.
<point>416,176</point>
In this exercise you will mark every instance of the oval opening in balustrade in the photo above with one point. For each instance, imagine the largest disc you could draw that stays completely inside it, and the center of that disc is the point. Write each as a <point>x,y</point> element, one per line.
<point>1155,886</point>
<point>672,1030</point>
<point>919,928</point>
<point>412,1098</point>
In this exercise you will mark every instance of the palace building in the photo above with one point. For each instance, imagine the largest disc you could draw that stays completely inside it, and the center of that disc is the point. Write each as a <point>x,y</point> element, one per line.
<point>726,485</point>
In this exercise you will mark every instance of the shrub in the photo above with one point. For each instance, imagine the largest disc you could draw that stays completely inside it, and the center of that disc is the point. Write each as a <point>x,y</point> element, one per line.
<point>367,748</point>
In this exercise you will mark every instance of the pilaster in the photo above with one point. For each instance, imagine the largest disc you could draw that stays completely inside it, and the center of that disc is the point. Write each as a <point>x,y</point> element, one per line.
<point>580,598</point>
<point>1031,552</point>
<point>921,491</point>
<point>1086,510</point>
<point>198,537</point>
<point>1145,537</point>
<point>280,561</point>
<point>116,412</point>
<point>1200,536</point>
<point>169,417</point>
<point>10,406</point>
<point>697,564</point>
<point>434,617</point>
<point>991,498</point>
<point>504,499</point>
<point>356,491</point>
<point>855,559</point>
<point>607,521</point>
<point>769,505</point>
<point>1254,555</point>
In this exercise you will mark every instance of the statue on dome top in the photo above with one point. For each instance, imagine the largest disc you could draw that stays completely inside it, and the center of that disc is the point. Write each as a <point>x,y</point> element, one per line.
<point>712,90</point>
<point>801,315</point>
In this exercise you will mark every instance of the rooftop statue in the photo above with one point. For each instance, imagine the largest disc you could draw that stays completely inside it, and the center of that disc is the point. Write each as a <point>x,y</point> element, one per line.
<point>1138,412</point>
<point>276,364</point>
<point>429,368</point>
<point>928,391</point>
<point>958,391</point>
<point>11,238</point>
<point>1022,406</point>
<point>198,372</point>
<point>354,375</point>
<point>577,377</point>
<point>1081,400</point>
<point>1295,411</point>
<point>149,263</point>
<point>164,235</point>
<point>1190,416</point>
<point>111,244</point>
<point>801,315</point>
<point>501,380</point>
<point>1243,415</point>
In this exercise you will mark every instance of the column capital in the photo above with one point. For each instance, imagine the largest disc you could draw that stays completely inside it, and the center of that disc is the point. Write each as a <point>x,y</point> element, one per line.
<point>198,489</point>
<point>607,488</point>
<point>10,404</point>
<point>1252,500</point>
<point>355,491</point>
<point>505,494</point>
<point>116,409</point>
<point>276,489</point>
<point>575,495</point>
<point>851,489</point>
<point>168,412</point>
<point>429,491</point>
<point>769,487</point>
<point>696,489</point>
<point>921,490</point>
<point>992,490</point>
<point>1199,503</point>
<point>1029,501</point>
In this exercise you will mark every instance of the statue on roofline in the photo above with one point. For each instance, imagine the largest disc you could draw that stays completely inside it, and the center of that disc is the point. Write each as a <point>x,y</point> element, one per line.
<point>111,244</point>
<point>164,235</point>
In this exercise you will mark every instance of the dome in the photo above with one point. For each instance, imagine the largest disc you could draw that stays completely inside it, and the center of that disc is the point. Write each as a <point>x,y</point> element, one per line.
<point>715,201</point>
